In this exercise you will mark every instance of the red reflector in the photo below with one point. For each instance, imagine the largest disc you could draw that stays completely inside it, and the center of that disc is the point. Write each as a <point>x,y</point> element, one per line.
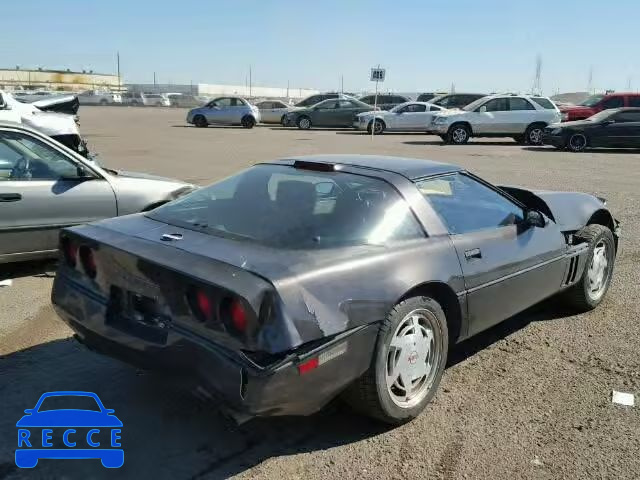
<point>88,261</point>
<point>204,304</point>
<point>308,365</point>
<point>70,251</point>
<point>238,316</point>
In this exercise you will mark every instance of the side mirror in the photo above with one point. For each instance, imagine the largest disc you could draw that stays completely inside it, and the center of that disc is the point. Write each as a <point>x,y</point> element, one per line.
<point>109,411</point>
<point>533,218</point>
<point>608,122</point>
<point>29,411</point>
<point>482,109</point>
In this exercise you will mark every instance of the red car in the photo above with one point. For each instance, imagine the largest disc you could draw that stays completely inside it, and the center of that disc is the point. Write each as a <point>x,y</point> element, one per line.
<point>597,103</point>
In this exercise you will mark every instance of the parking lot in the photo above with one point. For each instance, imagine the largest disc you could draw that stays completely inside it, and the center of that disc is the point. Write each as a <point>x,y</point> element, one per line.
<point>530,398</point>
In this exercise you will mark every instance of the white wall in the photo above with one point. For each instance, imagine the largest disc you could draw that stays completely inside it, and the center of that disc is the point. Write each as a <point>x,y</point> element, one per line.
<point>211,90</point>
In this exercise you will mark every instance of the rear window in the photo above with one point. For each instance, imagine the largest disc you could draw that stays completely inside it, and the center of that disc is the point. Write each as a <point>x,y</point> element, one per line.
<point>284,207</point>
<point>544,103</point>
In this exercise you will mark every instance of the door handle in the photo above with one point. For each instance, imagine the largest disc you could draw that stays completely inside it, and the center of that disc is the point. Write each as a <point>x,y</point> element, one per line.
<point>471,254</point>
<point>10,197</point>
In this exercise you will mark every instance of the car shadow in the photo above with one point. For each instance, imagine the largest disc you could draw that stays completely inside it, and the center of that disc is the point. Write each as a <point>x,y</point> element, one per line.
<point>40,268</point>
<point>617,151</point>
<point>318,129</point>
<point>167,432</point>
<point>210,126</point>
<point>194,438</point>
<point>550,309</point>
<point>385,134</point>
<point>487,144</point>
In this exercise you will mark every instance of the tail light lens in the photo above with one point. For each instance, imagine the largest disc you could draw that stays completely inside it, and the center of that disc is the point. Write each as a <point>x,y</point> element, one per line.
<point>201,304</point>
<point>70,251</point>
<point>238,316</point>
<point>88,261</point>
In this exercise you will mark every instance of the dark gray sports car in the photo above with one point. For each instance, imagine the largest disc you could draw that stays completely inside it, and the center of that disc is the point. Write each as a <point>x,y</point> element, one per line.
<point>300,279</point>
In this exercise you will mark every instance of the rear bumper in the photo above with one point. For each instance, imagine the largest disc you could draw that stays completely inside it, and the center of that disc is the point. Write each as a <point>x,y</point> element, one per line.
<point>230,376</point>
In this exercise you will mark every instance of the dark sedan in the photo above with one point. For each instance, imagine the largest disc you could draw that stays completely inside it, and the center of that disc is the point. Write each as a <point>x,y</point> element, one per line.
<point>297,280</point>
<point>339,112</point>
<point>619,127</point>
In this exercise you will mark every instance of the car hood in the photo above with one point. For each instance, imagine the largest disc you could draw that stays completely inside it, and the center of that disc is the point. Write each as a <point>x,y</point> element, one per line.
<point>575,108</point>
<point>50,123</point>
<point>69,418</point>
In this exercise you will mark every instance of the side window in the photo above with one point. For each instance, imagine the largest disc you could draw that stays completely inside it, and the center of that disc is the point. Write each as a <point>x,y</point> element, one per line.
<point>414,108</point>
<point>517,103</point>
<point>345,104</point>
<point>265,105</point>
<point>237,102</point>
<point>328,105</point>
<point>466,205</point>
<point>369,100</point>
<point>435,108</point>
<point>634,101</point>
<point>223,102</point>
<point>613,102</point>
<point>624,117</point>
<point>496,105</point>
<point>398,100</point>
<point>23,157</point>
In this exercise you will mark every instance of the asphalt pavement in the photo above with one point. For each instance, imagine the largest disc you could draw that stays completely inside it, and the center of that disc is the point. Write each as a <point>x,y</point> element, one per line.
<point>528,399</point>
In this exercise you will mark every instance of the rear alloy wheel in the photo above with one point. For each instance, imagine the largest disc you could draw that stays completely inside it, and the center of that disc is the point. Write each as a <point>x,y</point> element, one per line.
<point>458,134</point>
<point>410,356</point>
<point>589,291</point>
<point>533,135</point>
<point>577,142</point>
<point>304,123</point>
<point>200,122</point>
<point>378,127</point>
<point>248,121</point>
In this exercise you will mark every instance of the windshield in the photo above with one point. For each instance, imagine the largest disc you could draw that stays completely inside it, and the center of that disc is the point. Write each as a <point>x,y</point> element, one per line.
<point>69,402</point>
<point>601,115</point>
<point>592,101</point>
<point>284,207</point>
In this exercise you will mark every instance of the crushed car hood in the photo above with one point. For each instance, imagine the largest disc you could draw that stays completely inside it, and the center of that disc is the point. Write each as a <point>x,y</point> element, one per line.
<point>68,104</point>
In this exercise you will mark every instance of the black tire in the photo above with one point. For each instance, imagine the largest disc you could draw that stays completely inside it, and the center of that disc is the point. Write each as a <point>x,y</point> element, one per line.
<point>370,395</point>
<point>443,138</point>
<point>577,142</point>
<point>458,134</point>
<point>580,294</point>
<point>379,128</point>
<point>283,121</point>
<point>533,134</point>
<point>200,122</point>
<point>519,138</point>
<point>304,122</point>
<point>104,102</point>
<point>248,121</point>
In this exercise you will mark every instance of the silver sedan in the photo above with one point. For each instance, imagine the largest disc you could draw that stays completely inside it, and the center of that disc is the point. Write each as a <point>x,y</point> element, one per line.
<point>273,111</point>
<point>44,186</point>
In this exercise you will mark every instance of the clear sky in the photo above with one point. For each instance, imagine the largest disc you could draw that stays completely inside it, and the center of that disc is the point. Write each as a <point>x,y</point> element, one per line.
<point>479,45</point>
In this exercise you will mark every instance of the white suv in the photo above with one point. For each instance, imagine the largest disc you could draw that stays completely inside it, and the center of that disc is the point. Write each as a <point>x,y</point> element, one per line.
<point>522,117</point>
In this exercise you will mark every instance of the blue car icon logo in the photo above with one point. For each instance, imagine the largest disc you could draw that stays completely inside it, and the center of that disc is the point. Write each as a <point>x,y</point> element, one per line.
<point>88,431</point>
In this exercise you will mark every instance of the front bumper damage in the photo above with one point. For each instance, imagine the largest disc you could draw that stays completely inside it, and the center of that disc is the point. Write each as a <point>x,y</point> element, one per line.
<point>297,382</point>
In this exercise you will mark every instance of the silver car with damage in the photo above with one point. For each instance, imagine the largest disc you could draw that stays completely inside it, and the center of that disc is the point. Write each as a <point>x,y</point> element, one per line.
<point>45,186</point>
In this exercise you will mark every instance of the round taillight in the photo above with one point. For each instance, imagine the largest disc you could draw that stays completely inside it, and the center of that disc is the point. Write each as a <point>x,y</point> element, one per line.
<point>88,261</point>
<point>238,316</point>
<point>70,251</point>
<point>205,305</point>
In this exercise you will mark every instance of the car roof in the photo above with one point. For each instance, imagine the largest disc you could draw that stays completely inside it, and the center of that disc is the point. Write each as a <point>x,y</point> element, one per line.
<point>410,168</point>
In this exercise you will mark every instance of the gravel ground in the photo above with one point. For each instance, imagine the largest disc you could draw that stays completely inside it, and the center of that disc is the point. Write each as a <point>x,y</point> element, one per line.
<point>530,398</point>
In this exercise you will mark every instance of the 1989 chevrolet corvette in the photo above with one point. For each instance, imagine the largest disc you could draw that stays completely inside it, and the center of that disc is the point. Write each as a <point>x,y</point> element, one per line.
<point>300,279</point>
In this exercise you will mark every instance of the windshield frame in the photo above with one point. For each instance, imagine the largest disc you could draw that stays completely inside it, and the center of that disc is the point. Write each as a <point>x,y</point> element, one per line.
<point>592,100</point>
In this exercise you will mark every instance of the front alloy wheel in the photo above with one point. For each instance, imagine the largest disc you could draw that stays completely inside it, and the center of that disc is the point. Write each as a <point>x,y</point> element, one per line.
<point>304,123</point>
<point>577,142</point>
<point>458,135</point>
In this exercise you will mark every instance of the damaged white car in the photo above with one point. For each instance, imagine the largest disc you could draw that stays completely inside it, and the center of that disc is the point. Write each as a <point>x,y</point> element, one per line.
<point>62,127</point>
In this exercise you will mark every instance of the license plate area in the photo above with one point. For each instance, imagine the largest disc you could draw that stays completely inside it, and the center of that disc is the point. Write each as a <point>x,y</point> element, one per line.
<point>137,315</point>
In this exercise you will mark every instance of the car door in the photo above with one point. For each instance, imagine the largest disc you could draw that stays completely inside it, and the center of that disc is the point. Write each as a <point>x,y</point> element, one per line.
<point>521,114</point>
<point>218,111</point>
<point>237,110</point>
<point>492,116</point>
<point>41,190</point>
<point>622,129</point>
<point>7,112</point>
<point>507,265</point>
<point>414,116</point>
<point>346,112</point>
<point>324,114</point>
